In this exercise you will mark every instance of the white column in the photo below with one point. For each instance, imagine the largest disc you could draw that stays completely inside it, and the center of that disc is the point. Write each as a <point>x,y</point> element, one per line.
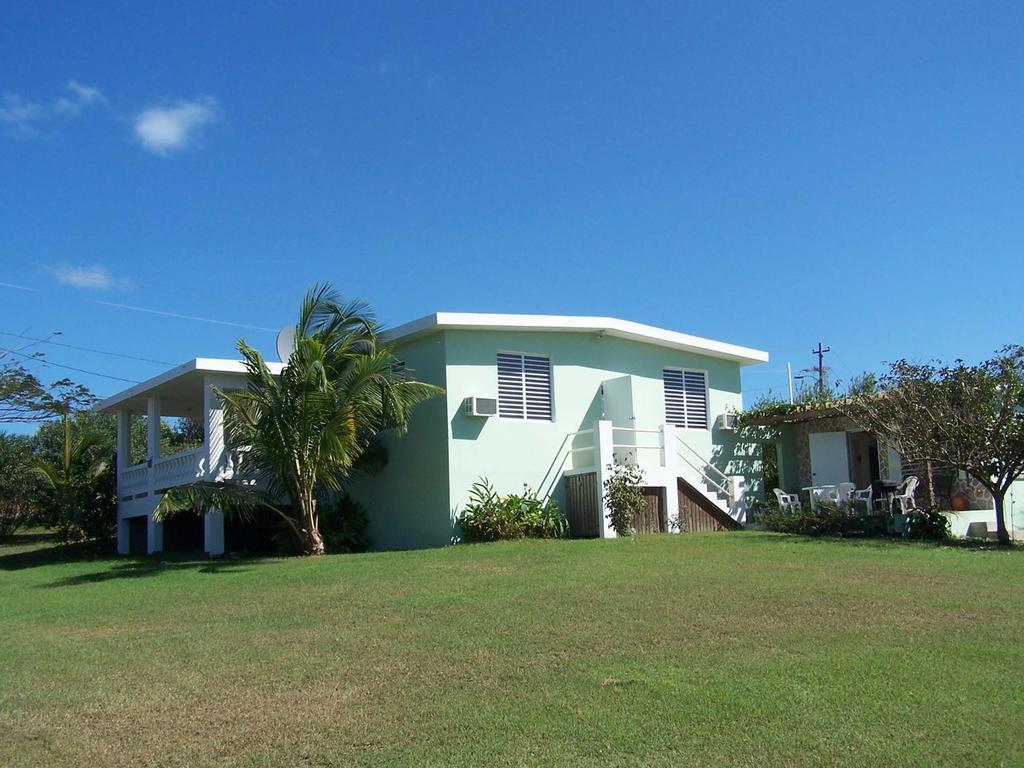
<point>670,461</point>
<point>738,496</point>
<point>213,442</point>
<point>603,453</point>
<point>154,530</point>
<point>124,448</point>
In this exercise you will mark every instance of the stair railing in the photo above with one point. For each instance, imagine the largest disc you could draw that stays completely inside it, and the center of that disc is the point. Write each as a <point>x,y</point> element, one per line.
<point>703,465</point>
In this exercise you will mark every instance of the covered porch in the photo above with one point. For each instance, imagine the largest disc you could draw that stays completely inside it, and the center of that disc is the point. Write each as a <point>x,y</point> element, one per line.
<point>185,392</point>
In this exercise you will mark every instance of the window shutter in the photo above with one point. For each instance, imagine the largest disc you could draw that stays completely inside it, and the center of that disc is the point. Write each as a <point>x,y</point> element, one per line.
<point>537,380</point>
<point>686,398</point>
<point>696,399</point>
<point>524,387</point>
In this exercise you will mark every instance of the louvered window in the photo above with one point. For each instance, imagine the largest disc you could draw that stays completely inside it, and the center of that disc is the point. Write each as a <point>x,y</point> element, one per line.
<point>686,398</point>
<point>524,387</point>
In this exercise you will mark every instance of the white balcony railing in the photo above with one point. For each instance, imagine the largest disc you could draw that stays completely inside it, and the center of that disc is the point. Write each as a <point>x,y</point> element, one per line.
<point>179,468</point>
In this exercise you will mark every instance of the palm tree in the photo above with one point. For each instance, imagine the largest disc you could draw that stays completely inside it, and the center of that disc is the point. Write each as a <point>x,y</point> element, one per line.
<point>73,481</point>
<point>304,431</point>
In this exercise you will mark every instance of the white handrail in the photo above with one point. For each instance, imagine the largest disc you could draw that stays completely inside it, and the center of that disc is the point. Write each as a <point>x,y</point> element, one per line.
<point>706,463</point>
<point>706,478</point>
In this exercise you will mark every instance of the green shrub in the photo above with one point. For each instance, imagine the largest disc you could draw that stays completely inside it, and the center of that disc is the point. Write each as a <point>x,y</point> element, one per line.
<point>624,497</point>
<point>489,516</point>
<point>343,525</point>
<point>832,520</point>
<point>928,524</point>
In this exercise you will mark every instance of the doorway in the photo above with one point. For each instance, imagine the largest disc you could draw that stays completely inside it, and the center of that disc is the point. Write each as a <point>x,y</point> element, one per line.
<point>830,458</point>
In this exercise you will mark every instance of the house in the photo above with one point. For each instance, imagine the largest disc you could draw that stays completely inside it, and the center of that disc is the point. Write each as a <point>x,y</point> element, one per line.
<point>819,445</point>
<point>546,401</point>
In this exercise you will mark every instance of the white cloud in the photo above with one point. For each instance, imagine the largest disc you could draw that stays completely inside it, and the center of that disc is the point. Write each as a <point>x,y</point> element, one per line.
<point>163,130</point>
<point>81,97</point>
<point>18,116</point>
<point>21,118</point>
<point>93,278</point>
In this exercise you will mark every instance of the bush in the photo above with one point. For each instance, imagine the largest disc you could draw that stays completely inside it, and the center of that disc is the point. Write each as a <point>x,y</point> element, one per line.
<point>624,497</point>
<point>490,516</point>
<point>831,520</point>
<point>928,524</point>
<point>343,526</point>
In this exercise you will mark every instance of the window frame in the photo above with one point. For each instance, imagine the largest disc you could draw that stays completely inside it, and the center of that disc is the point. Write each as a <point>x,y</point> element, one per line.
<point>707,396</point>
<point>551,387</point>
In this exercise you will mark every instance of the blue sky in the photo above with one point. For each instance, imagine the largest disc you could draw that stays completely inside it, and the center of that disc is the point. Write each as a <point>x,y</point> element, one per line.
<point>766,174</point>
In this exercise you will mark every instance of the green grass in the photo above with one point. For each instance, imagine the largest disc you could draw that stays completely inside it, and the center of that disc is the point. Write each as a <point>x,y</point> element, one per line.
<point>718,649</point>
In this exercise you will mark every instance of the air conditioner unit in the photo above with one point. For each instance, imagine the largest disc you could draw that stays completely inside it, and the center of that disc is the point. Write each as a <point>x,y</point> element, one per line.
<point>727,421</point>
<point>481,406</point>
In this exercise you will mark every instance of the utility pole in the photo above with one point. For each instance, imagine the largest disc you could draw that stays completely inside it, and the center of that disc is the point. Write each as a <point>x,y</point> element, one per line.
<point>820,352</point>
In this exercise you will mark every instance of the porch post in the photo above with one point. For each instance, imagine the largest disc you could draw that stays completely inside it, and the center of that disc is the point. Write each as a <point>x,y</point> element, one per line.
<point>213,442</point>
<point>154,530</point>
<point>670,461</point>
<point>604,455</point>
<point>124,448</point>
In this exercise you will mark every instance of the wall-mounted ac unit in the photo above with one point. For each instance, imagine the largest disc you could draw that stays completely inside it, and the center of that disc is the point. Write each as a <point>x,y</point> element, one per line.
<point>481,406</point>
<point>727,421</point>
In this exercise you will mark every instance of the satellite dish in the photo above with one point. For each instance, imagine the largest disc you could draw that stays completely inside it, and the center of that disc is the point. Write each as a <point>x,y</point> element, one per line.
<point>285,343</point>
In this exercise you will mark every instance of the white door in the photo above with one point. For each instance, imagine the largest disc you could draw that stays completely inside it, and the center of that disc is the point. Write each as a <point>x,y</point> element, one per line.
<point>830,459</point>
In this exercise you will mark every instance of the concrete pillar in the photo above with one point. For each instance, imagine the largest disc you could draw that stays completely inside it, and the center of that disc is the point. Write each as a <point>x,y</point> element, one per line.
<point>737,488</point>
<point>213,442</point>
<point>603,453</point>
<point>124,448</point>
<point>670,461</point>
<point>154,530</point>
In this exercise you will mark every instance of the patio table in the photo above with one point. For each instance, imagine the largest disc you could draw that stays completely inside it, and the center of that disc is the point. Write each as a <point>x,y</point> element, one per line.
<point>814,491</point>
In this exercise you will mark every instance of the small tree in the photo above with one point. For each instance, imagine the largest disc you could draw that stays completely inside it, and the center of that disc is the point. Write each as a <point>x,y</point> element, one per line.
<point>78,484</point>
<point>967,417</point>
<point>624,497</point>
<point>19,484</point>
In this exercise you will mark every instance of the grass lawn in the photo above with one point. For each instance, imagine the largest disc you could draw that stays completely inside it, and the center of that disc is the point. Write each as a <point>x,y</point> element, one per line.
<point>714,649</point>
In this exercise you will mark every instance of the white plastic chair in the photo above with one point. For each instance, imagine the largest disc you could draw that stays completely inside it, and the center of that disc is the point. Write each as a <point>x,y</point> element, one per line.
<point>905,495</point>
<point>862,495</point>
<point>788,502</point>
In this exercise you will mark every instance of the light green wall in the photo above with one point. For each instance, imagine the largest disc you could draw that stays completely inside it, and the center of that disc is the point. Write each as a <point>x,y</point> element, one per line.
<point>511,452</point>
<point>407,502</point>
<point>416,499</point>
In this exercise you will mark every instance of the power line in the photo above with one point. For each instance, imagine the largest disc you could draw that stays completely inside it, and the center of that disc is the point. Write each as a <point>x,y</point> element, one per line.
<point>180,316</point>
<point>41,361</point>
<point>86,349</point>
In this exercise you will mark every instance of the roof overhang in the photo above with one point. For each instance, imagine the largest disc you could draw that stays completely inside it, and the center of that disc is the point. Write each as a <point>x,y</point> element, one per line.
<point>178,388</point>
<point>609,326</point>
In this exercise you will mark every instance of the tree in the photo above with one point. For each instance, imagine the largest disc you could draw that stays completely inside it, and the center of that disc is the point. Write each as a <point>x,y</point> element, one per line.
<point>306,430</point>
<point>20,396</point>
<point>79,497</point>
<point>966,417</point>
<point>19,484</point>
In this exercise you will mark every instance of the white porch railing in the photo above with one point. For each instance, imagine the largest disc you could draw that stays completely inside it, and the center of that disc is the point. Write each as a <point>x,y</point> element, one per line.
<point>132,480</point>
<point>179,468</point>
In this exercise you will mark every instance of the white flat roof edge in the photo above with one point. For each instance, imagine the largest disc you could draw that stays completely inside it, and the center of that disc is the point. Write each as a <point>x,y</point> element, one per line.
<point>575,323</point>
<point>200,364</point>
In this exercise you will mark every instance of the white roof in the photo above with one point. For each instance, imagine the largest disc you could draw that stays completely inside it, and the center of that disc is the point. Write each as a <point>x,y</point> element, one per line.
<point>179,386</point>
<point>175,381</point>
<point>611,326</point>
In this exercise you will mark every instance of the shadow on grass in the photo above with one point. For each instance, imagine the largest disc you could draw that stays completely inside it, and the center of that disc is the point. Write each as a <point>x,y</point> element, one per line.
<point>140,568</point>
<point>984,545</point>
<point>40,548</point>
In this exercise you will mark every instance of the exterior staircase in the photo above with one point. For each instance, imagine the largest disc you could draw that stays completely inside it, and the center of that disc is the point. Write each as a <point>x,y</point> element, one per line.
<point>701,510</point>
